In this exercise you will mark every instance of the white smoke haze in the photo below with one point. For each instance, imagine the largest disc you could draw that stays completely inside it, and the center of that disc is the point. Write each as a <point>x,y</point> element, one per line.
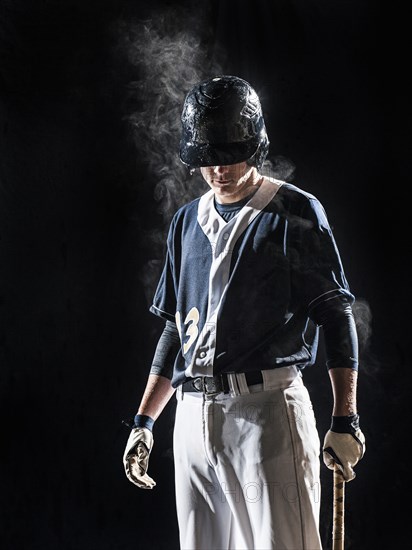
<point>362,314</point>
<point>279,167</point>
<point>363,319</point>
<point>171,55</point>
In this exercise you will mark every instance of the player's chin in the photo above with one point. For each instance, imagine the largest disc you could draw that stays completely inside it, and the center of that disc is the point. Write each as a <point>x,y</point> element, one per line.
<point>224,187</point>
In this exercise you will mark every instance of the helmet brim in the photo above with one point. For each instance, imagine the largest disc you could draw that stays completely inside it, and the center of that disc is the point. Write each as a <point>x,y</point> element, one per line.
<point>196,155</point>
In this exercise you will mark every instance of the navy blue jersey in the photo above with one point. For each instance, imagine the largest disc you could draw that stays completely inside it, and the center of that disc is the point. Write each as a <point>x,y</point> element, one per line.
<point>242,292</point>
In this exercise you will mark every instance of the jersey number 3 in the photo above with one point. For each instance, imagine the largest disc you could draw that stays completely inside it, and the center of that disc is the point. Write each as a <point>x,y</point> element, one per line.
<point>192,320</point>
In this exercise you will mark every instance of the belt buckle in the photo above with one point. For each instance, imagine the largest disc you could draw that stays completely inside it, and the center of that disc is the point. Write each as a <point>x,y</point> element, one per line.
<point>215,390</point>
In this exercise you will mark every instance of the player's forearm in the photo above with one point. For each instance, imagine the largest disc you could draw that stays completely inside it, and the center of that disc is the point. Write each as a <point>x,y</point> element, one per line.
<point>344,385</point>
<point>157,393</point>
<point>166,350</point>
<point>341,346</point>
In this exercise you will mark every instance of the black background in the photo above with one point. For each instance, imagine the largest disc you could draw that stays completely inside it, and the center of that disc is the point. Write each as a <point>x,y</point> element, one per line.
<point>79,252</point>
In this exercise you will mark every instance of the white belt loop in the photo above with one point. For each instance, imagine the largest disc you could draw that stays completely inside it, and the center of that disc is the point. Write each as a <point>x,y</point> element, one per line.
<point>179,393</point>
<point>242,384</point>
<point>267,379</point>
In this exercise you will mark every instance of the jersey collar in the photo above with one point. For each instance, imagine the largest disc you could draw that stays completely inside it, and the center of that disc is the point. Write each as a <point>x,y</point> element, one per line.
<point>212,223</point>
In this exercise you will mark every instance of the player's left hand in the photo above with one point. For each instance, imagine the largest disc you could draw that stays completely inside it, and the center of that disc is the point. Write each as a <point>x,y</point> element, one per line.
<point>344,445</point>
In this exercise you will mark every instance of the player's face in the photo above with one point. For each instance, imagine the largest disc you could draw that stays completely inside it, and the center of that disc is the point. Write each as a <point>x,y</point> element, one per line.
<point>230,183</point>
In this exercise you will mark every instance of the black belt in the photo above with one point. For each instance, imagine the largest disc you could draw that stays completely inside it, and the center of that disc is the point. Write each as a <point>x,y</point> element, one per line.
<point>212,385</point>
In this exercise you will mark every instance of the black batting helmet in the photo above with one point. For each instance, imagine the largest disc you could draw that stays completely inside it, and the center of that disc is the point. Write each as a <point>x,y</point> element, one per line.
<point>222,124</point>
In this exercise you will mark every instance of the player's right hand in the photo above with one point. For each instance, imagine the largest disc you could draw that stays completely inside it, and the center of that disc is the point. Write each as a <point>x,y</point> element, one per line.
<point>136,457</point>
<point>344,445</point>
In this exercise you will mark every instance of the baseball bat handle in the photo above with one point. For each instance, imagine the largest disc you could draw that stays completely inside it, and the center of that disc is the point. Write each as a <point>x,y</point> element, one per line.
<point>338,533</point>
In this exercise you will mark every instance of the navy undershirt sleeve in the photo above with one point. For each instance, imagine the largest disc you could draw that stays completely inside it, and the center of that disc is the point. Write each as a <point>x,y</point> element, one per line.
<point>335,316</point>
<point>167,348</point>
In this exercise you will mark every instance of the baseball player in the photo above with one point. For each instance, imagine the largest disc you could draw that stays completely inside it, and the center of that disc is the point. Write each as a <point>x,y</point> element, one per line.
<point>251,273</point>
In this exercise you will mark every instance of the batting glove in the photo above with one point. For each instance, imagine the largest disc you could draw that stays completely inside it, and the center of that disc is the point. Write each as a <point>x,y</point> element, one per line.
<point>136,457</point>
<point>344,445</point>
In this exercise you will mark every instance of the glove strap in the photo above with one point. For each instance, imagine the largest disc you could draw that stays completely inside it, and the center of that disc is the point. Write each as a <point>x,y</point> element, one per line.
<point>139,421</point>
<point>345,424</point>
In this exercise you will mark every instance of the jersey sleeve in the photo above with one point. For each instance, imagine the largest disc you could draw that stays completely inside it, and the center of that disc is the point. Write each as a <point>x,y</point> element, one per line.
<point>318,273</point>
<point>164,301</point>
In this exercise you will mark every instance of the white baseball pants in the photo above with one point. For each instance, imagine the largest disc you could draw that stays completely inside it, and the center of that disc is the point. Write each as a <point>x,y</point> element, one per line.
<point>247,466</point>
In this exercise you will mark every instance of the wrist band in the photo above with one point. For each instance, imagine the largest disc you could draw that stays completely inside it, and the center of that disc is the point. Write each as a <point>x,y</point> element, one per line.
<point>345,424</point>
<point>143,421</point>
<point>139,421</point>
